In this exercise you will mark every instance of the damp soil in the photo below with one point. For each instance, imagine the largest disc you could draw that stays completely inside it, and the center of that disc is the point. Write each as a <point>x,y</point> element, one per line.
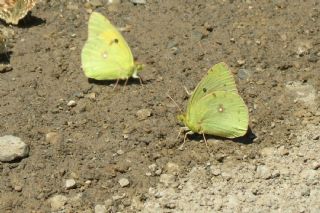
<point>103,137</point>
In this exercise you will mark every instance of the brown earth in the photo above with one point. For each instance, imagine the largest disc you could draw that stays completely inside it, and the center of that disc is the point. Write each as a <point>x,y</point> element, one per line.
<point>271,46</point>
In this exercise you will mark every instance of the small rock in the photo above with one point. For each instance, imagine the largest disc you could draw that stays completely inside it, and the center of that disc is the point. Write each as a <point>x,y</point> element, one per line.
<point>5,68</point>
<point>153,167</point>
<point>171,44</point>
<point>12,148</point>
<point>226,176</point>
<point>267,151</point>
<point>143,114</point>
<point>158,172</point>
<point>313,58</point>
<point>244,74</point>
<point>170,205</point>
<point>108,203</point>
<point>241,62</point>
<point>264,172</point>
<point>57,202</point>
<point>197,36</point>
<point>315,165</point>
<point>167,179</point>
<point>172,168</point>
<point>303,47</point>
<point>215,171</point>
<point>70,184</point>
<point>118,197</point>
<point>100,209</point>
<point>139,1</point>
<point>18,188</point>
<point>92,96</point>
<point>124,182</point>
<point>54,138</point>
<point>283,151</point>
<point>311,176</point>
<point>96,3</point>
<point>114,1</point>
<point>120,152</point>
<point>72,103</point>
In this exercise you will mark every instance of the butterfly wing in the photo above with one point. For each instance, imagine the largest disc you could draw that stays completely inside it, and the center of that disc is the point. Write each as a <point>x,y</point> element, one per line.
<point>12,11</point>
<point>219,113</point>
<point>106,55</point>
<point>218,78</point>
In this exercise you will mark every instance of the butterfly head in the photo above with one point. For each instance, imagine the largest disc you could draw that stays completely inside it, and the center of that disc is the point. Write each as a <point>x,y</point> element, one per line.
<point>182,118</point>
<point>137,68</point>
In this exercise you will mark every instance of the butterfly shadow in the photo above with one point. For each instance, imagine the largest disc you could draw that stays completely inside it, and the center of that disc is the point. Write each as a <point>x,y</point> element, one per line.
<point>5,57</point>
<point>248,138</point>
<point>113,83</point>
<point>30,21</point>
<point>27,22</point>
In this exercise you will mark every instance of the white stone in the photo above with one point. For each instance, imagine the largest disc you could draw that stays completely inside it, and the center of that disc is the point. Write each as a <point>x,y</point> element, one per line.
<point>71,103</point>
<point>100,209</point>
<point>167,179</point>
<point>124,182</point>
<point>70,184</point>
<point>57,202</point>
<point>12,148</point>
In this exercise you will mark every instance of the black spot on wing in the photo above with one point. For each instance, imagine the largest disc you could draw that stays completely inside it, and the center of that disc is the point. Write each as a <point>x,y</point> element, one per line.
<point>114,41</point>
<point>204,89</point>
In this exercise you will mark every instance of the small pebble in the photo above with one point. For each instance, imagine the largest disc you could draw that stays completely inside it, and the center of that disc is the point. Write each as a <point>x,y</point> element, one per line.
<point>124,182</point>
<point>120,152</point>
<point>263,172</point>
<point>167,179</point>
<point>153,167</point>
<point>72,103</point>
<point>100,209</point>
<point>18,188</point>
<point>57,202</point>
<point>54,138</point>
<point>315,165</point>
<point>170,205</point>
<point>118,197</point>
<point>283,151</point>
<point>244,74</point>
<point>139,1</point>
<point>241,62</point>
<point>158,172</point>
<point>70,184</point>
<point>172,168</point>
<point>143,114</point>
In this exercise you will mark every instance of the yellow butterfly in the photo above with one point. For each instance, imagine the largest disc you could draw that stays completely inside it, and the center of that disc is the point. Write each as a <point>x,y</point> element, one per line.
<point>13,10</point>
<point>106,55</point>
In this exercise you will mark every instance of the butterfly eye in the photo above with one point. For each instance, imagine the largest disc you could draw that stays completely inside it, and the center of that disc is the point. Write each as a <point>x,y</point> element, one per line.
<point>204,90</point>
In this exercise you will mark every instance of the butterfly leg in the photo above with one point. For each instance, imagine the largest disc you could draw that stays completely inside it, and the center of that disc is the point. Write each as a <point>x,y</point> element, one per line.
<point>125,84</point>
<point>116,84</point>
<point>185,137</point>
<point>205,140</point>
<point>141,81</point>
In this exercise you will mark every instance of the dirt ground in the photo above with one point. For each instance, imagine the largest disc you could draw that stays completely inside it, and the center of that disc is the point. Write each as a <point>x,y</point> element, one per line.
<point>273,48</point>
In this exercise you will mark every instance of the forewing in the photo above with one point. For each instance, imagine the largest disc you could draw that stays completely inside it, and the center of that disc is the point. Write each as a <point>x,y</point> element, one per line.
<point>105,55</point>
<point>221,113</point>
<point>218,78</point>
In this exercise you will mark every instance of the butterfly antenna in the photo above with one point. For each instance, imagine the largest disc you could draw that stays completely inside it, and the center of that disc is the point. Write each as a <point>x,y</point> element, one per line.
<point>175,103</point>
